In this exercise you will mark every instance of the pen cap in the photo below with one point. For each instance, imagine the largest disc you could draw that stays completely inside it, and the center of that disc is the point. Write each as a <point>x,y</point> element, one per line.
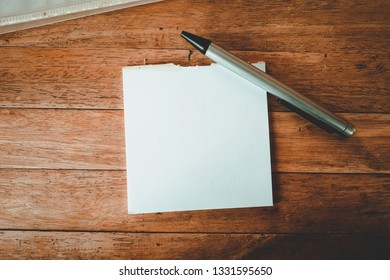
<point>349,130</point>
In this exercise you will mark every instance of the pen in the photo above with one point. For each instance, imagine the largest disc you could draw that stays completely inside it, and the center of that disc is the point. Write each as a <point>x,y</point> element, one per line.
<point>286,95</point>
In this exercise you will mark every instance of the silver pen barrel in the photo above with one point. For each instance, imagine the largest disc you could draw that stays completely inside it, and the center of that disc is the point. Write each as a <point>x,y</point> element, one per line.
<point>291,98</point>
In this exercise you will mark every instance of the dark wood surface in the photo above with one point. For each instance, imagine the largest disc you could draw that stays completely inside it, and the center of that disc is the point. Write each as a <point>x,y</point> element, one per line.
<point>62,152</point>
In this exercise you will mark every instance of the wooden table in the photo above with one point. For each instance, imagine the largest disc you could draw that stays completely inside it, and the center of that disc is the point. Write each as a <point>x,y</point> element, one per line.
<point>62,151</point>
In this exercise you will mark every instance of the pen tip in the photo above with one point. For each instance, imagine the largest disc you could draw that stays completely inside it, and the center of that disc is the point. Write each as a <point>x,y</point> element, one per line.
<point>183,33</point>
<point>198,42</point>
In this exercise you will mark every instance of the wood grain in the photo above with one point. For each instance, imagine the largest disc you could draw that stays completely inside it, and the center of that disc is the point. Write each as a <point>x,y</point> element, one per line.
<point>62,154</point>
<point>92,78</point>
<point>62,139</point>
<point>94,139</point>
<point>145,246</point>
<point>299,26</point>
<point>97,200</point>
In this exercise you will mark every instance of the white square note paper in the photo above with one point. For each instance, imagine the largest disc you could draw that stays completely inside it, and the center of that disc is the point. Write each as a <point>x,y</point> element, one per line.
<point>196,138</point>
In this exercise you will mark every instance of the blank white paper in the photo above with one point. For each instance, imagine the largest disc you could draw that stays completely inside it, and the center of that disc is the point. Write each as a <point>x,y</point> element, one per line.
<point>196,138</point>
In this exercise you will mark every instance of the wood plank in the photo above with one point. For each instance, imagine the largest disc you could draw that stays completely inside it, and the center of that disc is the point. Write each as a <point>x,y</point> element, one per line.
<point>145,246</point>
<point>94,139</point>
<point>293,27</point>
<point>97,201</point>
<point>296,142</point>
<point>62,139</point>
<point>92,78</point>
<point>360,38</point>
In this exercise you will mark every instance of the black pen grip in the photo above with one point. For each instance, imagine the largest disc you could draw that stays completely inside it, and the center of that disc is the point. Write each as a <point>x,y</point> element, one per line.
<point>310,118</point>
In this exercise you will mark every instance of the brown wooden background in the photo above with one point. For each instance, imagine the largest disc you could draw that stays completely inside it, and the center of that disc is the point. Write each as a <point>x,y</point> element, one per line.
<point>62,153</point>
